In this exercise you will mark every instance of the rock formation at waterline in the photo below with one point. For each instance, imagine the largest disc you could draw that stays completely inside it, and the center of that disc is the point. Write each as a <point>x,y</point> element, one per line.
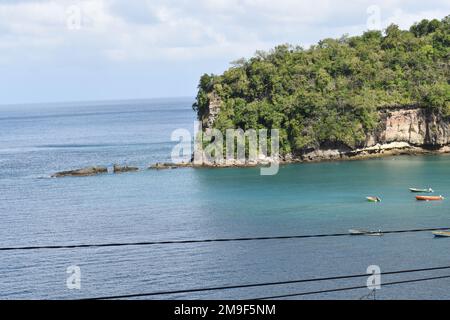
<point>121,169</point>
<point>401,130</point>
<point>88,171</point>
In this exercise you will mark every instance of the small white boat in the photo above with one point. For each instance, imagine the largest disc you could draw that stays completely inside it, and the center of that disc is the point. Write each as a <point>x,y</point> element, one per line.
<point>429,190</point>
<point>357,232</point>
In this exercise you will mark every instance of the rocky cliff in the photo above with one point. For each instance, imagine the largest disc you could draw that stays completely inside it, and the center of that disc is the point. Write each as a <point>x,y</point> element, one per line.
<point>416,126</point>
<point>401,130</point>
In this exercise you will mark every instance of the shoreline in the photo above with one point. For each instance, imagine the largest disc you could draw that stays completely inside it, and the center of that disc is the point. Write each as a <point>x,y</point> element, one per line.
<point>332,155</point>
<point>316,156</point>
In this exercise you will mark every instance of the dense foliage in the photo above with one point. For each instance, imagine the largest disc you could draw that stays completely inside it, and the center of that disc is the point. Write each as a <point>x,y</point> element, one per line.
<point>331,91</point>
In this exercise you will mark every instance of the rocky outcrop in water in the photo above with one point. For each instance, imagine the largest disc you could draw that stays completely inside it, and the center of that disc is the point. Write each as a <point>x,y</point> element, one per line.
<point>122,169</point>
<point>89,171</point>
<point>169,165</point>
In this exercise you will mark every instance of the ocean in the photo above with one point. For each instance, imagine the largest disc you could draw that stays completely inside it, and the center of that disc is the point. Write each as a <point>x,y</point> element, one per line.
<point>302,199</point>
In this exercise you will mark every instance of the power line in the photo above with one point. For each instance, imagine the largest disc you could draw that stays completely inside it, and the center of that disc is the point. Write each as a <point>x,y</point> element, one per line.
<point>193,241</point>
<point>158,293</point>
<point>349,288</point>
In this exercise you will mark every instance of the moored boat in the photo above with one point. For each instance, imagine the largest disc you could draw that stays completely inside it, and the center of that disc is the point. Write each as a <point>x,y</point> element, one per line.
<point>441,234</point>
<point>429,198</point>
<point>373,199</point>
<point>429,190</point>
<point>357,232</point>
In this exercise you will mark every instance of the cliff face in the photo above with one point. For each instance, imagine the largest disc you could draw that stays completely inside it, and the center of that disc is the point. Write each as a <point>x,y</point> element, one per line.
<point>212,111</point>
<point>401,130</point>
<point>416,126</point>
<point>408,130</point>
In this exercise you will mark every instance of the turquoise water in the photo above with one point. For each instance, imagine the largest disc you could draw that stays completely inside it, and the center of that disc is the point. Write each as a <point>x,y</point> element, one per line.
<point>36,141</point>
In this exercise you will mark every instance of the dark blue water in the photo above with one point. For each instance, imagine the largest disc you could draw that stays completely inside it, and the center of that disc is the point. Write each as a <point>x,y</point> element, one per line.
<point>36,141</point>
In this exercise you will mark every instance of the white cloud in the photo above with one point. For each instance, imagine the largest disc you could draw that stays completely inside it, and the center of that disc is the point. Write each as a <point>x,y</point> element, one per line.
<point>155,30</point>
<point>405,19</point>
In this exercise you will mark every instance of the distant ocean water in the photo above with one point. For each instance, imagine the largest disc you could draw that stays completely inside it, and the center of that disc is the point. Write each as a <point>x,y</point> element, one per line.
<point>38,140</point>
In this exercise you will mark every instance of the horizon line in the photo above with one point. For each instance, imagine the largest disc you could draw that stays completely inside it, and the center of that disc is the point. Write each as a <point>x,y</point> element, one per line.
<point>99,101</point>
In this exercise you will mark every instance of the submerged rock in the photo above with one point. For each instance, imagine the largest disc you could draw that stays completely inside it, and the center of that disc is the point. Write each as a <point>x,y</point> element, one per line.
<point>121,169</point>
<point>168,165</point>
<point>88,171</point>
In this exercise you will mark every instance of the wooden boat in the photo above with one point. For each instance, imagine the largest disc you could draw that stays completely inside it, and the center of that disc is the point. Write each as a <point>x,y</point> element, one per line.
<point>441,234</point>
<point>373,199</point>
<point>357,232</point>
<point>429,190</point>
<point>429,198</point>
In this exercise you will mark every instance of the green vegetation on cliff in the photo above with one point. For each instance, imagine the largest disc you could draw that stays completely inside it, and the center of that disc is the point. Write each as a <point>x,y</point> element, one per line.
<point>331,92</point>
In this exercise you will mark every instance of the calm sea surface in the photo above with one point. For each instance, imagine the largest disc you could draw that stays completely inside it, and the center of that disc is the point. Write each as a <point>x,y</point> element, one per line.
<point>36,141</point>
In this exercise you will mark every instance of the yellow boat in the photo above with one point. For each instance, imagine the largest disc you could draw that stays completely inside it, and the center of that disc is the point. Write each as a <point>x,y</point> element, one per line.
<point>441,234</point>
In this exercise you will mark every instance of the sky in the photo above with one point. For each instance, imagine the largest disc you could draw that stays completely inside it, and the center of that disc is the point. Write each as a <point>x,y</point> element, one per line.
<point>87,50</point>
